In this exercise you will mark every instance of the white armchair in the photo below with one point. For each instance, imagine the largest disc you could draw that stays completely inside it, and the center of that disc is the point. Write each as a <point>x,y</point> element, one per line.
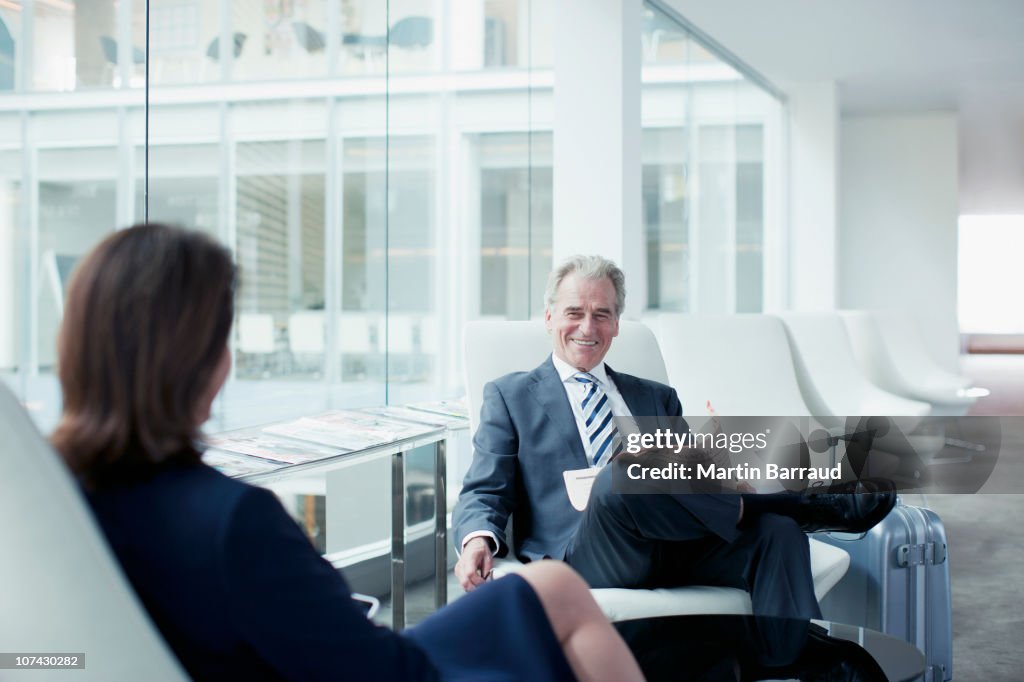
<point>828,374</point>
<point>891,352</point>
<point>741,363</point>
<point>523,345</point>
<point>64,590</point>
<point>833,385</point>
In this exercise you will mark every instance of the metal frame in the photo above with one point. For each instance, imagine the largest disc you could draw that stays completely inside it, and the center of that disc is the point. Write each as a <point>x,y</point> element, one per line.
<point>396,450</point>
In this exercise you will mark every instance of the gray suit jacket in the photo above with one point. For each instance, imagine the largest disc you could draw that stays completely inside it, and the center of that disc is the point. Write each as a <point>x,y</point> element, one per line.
<point>527,437</point>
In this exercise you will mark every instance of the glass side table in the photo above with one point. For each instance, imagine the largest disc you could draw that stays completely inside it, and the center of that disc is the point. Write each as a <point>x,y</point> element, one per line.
<point>313,456</point>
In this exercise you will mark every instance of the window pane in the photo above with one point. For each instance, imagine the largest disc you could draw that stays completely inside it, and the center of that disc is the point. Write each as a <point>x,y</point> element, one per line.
<point>666,206</point>
<point>12,271</point>
<point>706,128</point>
<point>75,44</point>
<point>10,33</point>
<point>77,208</point>
<point>990,278</point>
<point>515,223</point>
<point>276,40</point>
<point>280,250</point>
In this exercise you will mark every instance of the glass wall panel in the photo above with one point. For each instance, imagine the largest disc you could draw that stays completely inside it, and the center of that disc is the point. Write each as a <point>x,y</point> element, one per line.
<point>183,187</point>
<point>415,179</point>
<point>183,36</point>
<point>666,218</point>
<point>707,130</point>
<point>362,38</point>
<point>377,193</point>
<point>77,194</point>
<point>277,39</point>
<point>412,264</point>
<point>12,248</point>
<point>361,330</point>
<point>412,37</point>
<point>75,45</point>
<point>501,34</point>
<point>750,218</point>
<point>279,247</point>
<point>515,223</point>
<point>541,183</point>
<point>10,36</point>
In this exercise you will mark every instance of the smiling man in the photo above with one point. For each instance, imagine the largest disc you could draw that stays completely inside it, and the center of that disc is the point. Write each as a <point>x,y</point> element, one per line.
<point>559,417</point>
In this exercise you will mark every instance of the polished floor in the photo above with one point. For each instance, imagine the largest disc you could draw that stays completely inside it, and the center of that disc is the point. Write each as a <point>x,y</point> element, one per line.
<point>986,538</point>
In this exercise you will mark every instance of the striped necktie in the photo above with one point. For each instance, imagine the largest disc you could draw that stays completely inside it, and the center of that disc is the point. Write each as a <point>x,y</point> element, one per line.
<point>597,417</point>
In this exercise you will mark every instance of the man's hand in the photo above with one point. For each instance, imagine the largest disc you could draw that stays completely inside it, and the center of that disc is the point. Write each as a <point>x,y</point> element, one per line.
<point>475,564</point>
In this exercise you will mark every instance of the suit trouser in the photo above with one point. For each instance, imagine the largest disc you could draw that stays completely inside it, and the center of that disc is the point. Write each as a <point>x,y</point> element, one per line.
<point>668,540</point>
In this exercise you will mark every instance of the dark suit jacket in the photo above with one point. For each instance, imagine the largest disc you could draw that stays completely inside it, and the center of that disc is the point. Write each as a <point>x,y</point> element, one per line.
<point>527,437</point>
<point>237,589</point>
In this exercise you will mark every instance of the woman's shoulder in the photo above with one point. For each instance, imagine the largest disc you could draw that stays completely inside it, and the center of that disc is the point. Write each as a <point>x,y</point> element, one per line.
<point>183,492</point>
<point>201,477</point>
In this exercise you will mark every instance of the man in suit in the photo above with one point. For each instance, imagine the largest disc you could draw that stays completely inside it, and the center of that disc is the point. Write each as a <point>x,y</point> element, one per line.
<point>536,425</point>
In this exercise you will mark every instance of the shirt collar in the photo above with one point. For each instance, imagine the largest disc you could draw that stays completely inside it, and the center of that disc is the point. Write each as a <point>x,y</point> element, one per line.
<point>566,371</point>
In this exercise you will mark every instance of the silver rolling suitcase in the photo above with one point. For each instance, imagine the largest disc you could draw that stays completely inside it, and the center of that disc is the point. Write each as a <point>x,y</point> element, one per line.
<point>898,583</point>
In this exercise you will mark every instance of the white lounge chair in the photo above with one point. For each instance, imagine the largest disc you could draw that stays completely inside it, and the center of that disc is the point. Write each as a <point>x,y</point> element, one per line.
<point>63,588</point>
<point>892,354</point>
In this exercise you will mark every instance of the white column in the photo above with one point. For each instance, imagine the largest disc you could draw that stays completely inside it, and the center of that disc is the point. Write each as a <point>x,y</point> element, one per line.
<point>597,168</point>
<point>813,204</point>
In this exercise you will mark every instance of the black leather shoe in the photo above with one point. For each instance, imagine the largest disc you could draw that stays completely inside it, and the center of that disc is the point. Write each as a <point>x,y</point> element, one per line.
<point>852,507</point>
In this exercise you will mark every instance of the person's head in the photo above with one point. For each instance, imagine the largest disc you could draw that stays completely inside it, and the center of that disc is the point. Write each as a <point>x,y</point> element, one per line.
<point>142,350</point>
<point>583,301</point>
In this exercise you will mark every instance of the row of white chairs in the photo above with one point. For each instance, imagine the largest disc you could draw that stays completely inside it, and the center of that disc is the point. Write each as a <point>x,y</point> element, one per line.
<point>846,363</point>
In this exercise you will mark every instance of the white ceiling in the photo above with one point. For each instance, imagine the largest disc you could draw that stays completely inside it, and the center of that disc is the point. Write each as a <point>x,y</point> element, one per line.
<point>899,56</point>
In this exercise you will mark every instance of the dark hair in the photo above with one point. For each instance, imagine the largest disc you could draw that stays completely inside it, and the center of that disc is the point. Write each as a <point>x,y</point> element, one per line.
<point>146,322</point>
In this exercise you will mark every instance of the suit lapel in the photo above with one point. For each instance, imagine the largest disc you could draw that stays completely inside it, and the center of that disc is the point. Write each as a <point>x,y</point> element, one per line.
<point>546,388</point>
<point>639,397</point>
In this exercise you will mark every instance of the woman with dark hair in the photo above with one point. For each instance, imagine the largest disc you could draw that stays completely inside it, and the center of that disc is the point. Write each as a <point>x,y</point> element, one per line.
<point>230,580</point>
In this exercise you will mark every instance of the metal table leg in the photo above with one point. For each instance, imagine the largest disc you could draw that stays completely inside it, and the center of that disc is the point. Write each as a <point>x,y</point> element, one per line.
<point>398,540</point>
<point>440,524</point>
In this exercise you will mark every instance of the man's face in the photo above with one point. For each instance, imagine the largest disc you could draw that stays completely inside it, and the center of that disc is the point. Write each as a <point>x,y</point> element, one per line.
<point>582,321</point>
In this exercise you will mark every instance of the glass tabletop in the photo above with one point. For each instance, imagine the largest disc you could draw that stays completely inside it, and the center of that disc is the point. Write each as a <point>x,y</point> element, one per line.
<point>724,647</point>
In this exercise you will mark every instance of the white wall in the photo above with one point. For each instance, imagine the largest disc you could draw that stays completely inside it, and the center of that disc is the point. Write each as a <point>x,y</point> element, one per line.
<point>898,221</point>
<point>991,151</point>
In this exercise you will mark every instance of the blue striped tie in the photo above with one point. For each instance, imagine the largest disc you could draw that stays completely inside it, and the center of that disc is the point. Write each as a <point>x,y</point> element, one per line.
<point>597,417</point>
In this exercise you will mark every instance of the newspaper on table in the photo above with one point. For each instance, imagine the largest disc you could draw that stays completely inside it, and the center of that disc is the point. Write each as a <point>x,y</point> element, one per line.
<point>348,429</point>
<point>419,416</point>
<point>234,465</point>
<point>273,449</point>
<point>452,408</point>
